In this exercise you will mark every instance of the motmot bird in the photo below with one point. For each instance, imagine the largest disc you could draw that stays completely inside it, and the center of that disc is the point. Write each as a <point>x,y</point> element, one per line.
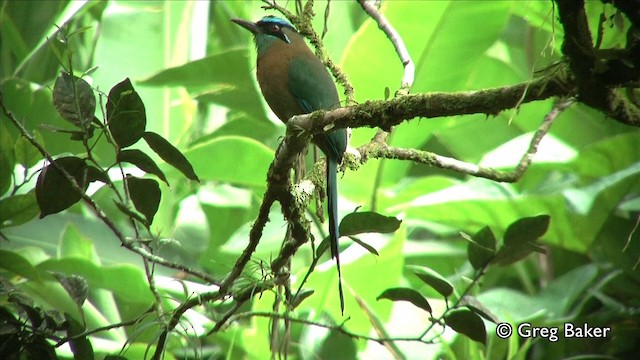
<point>294,81</point>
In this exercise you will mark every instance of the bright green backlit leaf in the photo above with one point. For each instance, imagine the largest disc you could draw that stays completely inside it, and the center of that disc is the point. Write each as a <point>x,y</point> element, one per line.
<point>17,264</point>
<point>18,209</point>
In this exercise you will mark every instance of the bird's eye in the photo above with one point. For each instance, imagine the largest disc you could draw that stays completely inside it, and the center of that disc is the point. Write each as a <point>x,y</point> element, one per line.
<point>275,28</point>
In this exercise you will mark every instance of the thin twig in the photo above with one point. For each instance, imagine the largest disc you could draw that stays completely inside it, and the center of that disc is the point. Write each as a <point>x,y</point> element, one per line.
<point>401,49</point>
<point>103,328</point>
<point>339,328</point>
<point>148,271</point>
<point>626,246</point>
<point>543,129</point>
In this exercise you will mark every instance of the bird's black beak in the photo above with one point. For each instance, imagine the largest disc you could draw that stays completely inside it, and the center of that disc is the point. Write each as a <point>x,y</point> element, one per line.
<point>247,25</point>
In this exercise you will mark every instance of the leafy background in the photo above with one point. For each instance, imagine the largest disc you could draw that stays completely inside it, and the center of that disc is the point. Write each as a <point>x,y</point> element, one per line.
<point>193,69</point>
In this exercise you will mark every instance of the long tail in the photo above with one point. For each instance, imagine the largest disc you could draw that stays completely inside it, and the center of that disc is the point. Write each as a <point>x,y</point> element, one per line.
<point>334,231</point>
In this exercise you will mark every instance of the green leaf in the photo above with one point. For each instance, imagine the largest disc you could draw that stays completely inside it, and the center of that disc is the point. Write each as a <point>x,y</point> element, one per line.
<point>477,307</point>
<point>466,322</point>
<point>81,135</point>
<point>527,229</point>
<point>7,158</point>
<point>54,192</point>
<point>76,286</point>
<point>323,247</point>
<point>126,281</point>
<point>28,155</point>
<point>32,104</point>
<point>433,279</point>
<point>80,345</point>
<point>406,294</point>
<point>568,293</point>
<point>142,161</point>
<point>95,174</point>
<point>302,295</point>
<point>337,346</point>
<point>508,255</point>
<point>481,248</point>
<point>26,304</point>
<point>224,78</point>
<point>18,209</point>
<point>17,264</point>
<point>55,320</point>
<point>232,159</point>
<point>126,114</point>
<point>75,244</point>
<point>74,100</point>
<point>145,194</point>
<point>366,246</point>
<point>239,124</point>
<point>368,222</point>
<point>170,154</point>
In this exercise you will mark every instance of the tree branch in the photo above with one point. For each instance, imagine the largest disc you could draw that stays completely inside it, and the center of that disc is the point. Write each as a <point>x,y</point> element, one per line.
<point>379,149</point>
<point>386,114</point>
<point>585,66</point>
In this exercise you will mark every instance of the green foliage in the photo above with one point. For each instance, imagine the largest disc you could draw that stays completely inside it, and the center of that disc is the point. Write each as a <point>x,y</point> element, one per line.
<point>74,100</point>
<point>406,294</point>
<point>126,115</point>
<point>468,323</point>
<point>18,209</point>
<point>482,247</point>
<point>142,161</point>
<point>54,191</point>
<point>468,252</point>
<point>368,221</point>
<point>145,195</point>
<point>433,279</point>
